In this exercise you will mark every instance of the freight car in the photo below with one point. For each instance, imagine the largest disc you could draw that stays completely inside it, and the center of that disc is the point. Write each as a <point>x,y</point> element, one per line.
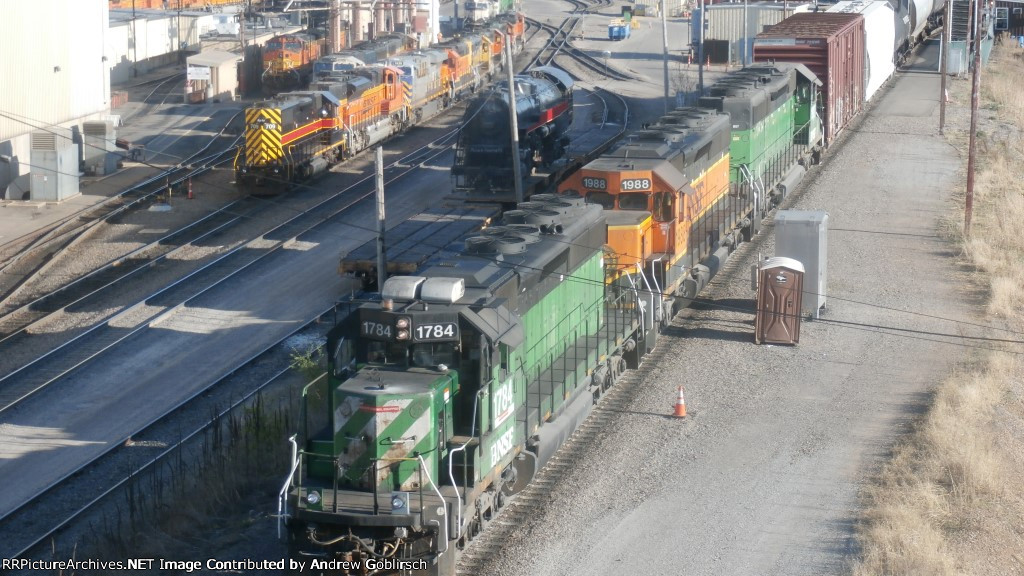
<point>447,393</point>
<point>683,193</point>
<point>288,60</point>
<point>298,135</point>
<point>853,48</point>
<point>832,46</point>
<point>483,152</point>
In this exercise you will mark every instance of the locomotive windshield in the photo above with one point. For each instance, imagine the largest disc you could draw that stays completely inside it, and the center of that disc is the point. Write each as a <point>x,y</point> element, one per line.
<point>606,200</point>
<point>422,355</point>
<point>386,353</point>
<point>633,201</point>
<point>431,354</point>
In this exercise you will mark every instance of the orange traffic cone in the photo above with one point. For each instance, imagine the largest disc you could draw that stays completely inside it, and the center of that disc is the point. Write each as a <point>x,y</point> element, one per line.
<point>680,405</point>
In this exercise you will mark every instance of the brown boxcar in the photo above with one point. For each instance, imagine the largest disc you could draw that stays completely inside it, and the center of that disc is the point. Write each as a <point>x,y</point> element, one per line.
<point>832,46</point>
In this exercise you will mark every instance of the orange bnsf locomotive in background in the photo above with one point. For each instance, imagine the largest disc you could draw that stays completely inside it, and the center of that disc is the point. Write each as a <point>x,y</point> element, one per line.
<point>297,135</point>
<point>288,60</point>
<point>666,195</point>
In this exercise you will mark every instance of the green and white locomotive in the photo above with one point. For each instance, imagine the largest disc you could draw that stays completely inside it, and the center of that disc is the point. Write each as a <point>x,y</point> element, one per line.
<point>445,395</point>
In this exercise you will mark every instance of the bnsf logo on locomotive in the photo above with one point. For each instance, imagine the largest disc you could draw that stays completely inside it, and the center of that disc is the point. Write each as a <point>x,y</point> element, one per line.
<point>636,184</point>
<point>595,183</point>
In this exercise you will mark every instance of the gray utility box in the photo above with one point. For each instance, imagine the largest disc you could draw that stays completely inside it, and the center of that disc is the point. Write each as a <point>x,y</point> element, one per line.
<point>803,236</point>
<point>54,157</point>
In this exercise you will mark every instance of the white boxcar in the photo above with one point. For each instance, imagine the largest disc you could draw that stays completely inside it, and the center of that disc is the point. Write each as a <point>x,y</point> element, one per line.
<point>879,40</point>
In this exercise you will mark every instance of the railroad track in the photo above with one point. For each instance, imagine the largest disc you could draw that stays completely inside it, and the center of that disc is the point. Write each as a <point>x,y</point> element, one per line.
<point>34,254</point>
<point>526,505</point>
<point>90,345</point>
<point>560,38</point>
<point>170,88</point>
<point>560,44</point>
<point>107,489</point>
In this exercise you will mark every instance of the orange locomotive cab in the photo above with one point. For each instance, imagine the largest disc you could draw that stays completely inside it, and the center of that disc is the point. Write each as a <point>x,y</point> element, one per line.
<point>667,188</point>
<point>461,71</point>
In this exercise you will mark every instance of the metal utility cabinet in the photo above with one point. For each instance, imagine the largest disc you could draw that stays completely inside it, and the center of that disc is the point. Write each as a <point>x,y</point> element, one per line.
<point>779,290</point>
<point>803,236</point>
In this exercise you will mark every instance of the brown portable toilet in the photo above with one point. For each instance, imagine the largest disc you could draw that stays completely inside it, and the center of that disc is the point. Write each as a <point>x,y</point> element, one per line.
<point>780,285</point>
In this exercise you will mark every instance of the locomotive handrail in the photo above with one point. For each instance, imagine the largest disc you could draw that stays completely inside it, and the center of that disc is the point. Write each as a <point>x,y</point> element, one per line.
<point>451,463</point>
<point>422,469</point>
<point>282,496</point>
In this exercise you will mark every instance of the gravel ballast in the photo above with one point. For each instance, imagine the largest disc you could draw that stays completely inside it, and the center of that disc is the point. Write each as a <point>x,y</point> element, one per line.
<point>763,477</point>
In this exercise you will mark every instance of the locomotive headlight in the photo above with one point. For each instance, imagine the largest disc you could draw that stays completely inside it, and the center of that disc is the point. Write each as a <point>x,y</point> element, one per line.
<point>397,502</point>
<point>403,335</point>
<point>313,497</point>
<point>402,323</point>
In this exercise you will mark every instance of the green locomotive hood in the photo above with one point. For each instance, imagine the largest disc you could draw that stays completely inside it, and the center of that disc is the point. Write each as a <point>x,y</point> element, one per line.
<point>385,420</point>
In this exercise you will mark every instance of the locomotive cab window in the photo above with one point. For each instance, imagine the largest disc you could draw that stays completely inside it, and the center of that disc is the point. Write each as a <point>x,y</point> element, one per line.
<point>429,355</point>
<point>664,211</point>
<point>606,200</point>
<point>386,353</point>
<point>633,201</point>
<point>342,356</point>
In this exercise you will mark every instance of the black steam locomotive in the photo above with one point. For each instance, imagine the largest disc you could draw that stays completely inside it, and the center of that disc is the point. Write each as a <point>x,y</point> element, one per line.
<point>483,155</point>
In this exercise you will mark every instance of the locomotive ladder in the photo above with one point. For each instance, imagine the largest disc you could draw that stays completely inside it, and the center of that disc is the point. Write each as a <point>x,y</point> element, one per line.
<point>760,198</point>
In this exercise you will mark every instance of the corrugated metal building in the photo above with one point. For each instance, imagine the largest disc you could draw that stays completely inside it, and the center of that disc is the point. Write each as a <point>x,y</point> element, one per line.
<point>725,23</point>
<point>54,70</point>
<point>141,40</point>
<point>674,8</point>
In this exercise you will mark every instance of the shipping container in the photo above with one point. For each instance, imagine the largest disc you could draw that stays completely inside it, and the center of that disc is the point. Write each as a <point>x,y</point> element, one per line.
<point>725,22</point>
<point>832,46</point>
<point>881,40</point>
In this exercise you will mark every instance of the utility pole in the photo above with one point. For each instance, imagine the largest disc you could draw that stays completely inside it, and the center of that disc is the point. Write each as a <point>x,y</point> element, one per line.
<point>972,145</point>
<point>664,45</point>
<point>382,263</point>
<point>746,30</point>
<point>135,44</point>
<point>181,51</point>
<point>943,63</point>
<point>700,51</point>
<point>334,25</point>
<point>513,120</point>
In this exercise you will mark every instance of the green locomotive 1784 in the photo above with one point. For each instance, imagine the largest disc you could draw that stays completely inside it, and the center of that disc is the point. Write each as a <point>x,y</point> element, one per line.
<point>445,395</point>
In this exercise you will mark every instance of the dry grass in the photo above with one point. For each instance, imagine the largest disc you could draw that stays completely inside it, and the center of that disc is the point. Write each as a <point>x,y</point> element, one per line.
<point>949,501</point>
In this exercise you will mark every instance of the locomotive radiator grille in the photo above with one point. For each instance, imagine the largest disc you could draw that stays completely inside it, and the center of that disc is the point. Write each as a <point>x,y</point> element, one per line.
<point>262,136</point>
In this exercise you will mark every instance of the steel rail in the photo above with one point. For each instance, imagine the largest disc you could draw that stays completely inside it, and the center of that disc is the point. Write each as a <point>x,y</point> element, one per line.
<point>413,160</point>
<point>75,232</point>
<point>32,384</point>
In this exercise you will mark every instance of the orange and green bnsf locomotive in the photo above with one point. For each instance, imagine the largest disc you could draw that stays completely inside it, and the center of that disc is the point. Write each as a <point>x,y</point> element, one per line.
<point>445,395</point>
<point>683,193</point>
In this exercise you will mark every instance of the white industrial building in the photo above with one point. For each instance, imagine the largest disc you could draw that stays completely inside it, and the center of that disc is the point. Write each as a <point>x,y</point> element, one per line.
<point>55,74</point>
